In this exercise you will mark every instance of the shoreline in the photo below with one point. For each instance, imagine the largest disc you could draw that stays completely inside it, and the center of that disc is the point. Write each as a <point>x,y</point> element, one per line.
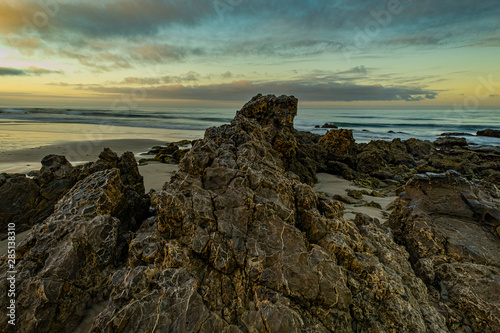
<point>76,152</point>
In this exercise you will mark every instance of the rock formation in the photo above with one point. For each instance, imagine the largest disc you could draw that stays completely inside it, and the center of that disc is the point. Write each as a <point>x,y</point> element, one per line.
<point>238,241</point>
<point>451,228</point>
<point>489,132</point>
<point>28,201</point>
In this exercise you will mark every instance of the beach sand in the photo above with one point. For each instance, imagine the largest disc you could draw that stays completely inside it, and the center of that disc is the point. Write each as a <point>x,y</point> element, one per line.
<point>77,152</point>
<point>331,185</point>
<point>156,174</point>
<point>23,144</point>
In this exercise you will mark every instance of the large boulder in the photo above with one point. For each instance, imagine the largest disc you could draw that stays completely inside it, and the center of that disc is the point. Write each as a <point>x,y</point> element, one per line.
<point>66,262</point>
<point>450,226</point>
<point>28,201</point>
<point>19,198</point>
<point>340,146</point>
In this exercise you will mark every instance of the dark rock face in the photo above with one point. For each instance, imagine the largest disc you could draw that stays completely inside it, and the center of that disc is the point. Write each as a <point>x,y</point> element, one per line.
<point>68,260</point>
<point>450,141</point>
<point>171,153</point>
<point>489,132</point>
<point>450,227</point>
<point>27,201</point>
<point>239,244</point>
<point>340,146</point>
<point>19,197</point>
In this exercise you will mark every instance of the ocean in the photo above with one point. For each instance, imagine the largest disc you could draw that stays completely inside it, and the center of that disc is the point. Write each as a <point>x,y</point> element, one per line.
<point>367,124</point>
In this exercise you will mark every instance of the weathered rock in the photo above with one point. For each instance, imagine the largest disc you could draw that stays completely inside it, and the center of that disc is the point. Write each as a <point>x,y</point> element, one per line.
<point>455,134</point>
<point>108,159</point>
<point>27,201</point>
<point>66,263</point>
<point>327,125</point>
<point>19,198</point>
<point>240,244</point>
<point>418,148</point>
<point>340,146</point>
<point>450,141</point>
<point>489,132</point>
<point>448,225</point>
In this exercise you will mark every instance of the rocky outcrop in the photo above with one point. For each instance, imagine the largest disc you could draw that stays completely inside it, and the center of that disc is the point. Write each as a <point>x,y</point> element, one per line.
<point>66,263</point>
<point>450,227</point>
<point>238,241</point>
<point>489,132</point>
<point>238,244</point>
<point>27,201</point>
<point>451,141</point>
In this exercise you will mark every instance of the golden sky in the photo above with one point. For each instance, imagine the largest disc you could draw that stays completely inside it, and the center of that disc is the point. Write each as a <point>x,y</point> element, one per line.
<point>394,53</point>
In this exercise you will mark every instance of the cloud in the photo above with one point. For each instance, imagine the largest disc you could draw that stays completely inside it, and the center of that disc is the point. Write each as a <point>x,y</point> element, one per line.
<point>305,91</point>
<point>7,71</point>
<point>355,70</point>
<point>32,70</point>
<point>115,34</point>
<point>188,77</point>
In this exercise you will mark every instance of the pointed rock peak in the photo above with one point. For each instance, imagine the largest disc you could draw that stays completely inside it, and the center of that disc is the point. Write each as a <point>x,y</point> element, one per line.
<point>271,110</point>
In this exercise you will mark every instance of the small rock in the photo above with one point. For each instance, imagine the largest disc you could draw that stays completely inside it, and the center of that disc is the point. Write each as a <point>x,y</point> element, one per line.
<point>355,194</point>
<point>373,204</point>
<point>327,125</point>
<point>343,199</point>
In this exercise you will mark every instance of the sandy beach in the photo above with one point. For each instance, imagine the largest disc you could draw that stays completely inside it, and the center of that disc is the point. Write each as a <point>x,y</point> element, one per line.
<point>77,152</point>
<point>332,185</point>
<point>24,143</point>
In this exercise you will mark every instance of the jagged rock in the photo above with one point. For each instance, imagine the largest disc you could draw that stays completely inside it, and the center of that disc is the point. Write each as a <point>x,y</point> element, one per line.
<point>356,194</point>
<point>448,225</point>
<point>489,132</point>
<point>377,157</point>
<point>27,201</point>
<point>240,244</point>
<point>340,146</point>
<point>450,141</point>
<point>108,159</point>
<point>418,148</point>
<point>341,169</point>
<point>66,262</point>
<point>19,197</point>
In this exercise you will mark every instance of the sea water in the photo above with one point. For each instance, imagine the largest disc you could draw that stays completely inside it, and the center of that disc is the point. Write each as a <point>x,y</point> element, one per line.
<point>367,124</point>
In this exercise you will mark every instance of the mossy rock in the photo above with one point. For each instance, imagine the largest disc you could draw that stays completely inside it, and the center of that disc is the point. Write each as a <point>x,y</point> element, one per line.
<point>373,204</point>
<point>355,194</point>
<point>368,182</point>
<point>377,194</point>
<point>343,199</point>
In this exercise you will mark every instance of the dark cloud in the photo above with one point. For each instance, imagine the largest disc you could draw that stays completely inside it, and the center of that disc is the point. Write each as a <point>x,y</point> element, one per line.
<point>242,90</point>
<point>7,71</point>
<point>32,70</point>
<point>114,34</point>
<point>355,70</point>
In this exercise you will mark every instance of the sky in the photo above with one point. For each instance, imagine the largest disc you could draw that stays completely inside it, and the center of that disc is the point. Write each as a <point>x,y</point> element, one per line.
<point>220,53</point>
